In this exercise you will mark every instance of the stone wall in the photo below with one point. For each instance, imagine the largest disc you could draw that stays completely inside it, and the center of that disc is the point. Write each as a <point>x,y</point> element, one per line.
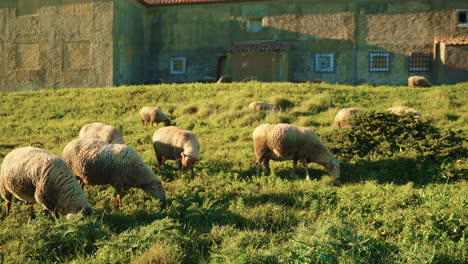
<point>349,30</point>
<point>52,44</point>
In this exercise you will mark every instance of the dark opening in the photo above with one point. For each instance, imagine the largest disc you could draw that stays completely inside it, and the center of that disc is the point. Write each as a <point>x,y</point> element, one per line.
<point>221,66</point>
<point>462,17</point>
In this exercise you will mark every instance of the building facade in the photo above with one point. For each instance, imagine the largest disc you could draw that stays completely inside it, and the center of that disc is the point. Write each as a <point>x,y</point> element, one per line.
<point>50,44</point>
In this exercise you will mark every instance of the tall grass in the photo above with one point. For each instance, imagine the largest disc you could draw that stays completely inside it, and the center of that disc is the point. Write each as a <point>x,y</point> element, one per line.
<point>377,213</point>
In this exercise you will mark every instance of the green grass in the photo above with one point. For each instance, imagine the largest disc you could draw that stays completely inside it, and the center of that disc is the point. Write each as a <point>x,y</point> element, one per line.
<point>388,208</point>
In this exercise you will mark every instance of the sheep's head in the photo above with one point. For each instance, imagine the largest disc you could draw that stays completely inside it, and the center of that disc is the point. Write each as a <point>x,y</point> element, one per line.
<point>333,169</point>
<point>83,211</point>
<point>155,189</point>
<point>188,162</point>
<point>167,122</point>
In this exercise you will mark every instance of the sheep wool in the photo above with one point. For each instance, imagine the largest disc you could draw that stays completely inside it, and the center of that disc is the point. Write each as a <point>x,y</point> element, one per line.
<point>97,162</point>
<point>262,106</point>
<point>32,174</point>
<point>101,131</point>
<point>342,117</point>
<point>174,143</point>
<point>283,142</point>
<point>418,81</point>
<point>150,115</point>
<point>402,109</point>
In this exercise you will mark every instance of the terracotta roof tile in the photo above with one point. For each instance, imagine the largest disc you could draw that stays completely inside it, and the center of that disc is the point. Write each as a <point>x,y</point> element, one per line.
<point>453,41</point>
<point>154,3</point>
<point>260,46</point>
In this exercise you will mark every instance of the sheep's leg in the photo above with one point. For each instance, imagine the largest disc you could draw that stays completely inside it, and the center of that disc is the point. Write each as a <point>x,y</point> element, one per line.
<point>260,158</point>
<point>306,168</point>
<point>54,214</point>
<point>293,172</point>
<point>119,199</point>
<point>266,164</point>
<point>8,198</point>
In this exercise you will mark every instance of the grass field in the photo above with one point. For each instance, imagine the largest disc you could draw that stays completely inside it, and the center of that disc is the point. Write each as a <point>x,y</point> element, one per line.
<point>389,207</point>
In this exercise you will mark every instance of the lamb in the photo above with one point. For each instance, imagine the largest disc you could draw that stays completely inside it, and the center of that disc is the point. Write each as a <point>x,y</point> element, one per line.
<point>101,131</point>
<point>32,174</point>
<point>174,143</point>
<point>402,109</point>
<point>262,106</point>
<point>152,115</point>
<point>342,117</point>
<point>418,81</point>
<point>287,142</point>
<point>95,162</point>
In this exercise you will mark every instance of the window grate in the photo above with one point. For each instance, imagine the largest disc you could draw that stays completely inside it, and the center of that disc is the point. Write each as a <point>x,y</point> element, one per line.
<point>419,62</point>
<point>324,62</point>
<point>379,62</point>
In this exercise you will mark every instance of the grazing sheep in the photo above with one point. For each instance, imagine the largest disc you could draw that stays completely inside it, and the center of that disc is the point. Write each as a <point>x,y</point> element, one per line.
<point>287,142</point>
<point>32,174</point>
<point>96,162</point>
<point>402,109</point>
<point>101,131</point>
<point>207,79</point>
<point>174,143</point>
<point>262,106</point>
<point>152,115</point>
<point>342,117</point>
<point>418,81</point>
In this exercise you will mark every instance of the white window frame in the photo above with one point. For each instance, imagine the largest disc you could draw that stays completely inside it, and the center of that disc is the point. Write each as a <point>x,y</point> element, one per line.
<point>379,54</point>
<point>254,29</point>
<point>184,63</point>
<point>462,24</point>
<point>331,58</point>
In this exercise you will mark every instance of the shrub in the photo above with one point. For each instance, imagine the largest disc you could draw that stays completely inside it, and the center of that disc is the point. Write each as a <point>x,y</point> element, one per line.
<point>282,103</point>
<point>389,141</point>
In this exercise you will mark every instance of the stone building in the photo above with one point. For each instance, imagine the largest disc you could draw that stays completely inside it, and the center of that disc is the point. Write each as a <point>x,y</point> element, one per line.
<point>49,44</point>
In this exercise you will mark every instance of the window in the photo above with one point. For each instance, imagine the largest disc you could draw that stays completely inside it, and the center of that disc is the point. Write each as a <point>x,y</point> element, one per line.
<point>177,65</point>
<point>255,24</point>
<point>27,7</point>
<point>379,62</point>
<point>462,15</point>
<point>419,62</point>
<point>324,62</point>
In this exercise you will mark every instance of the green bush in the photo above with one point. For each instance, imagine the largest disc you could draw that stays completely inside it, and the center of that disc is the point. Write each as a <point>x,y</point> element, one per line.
<point>396,146</point>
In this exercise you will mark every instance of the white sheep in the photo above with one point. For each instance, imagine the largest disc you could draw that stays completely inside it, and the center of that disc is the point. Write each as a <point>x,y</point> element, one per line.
<point>96,162</point>
<point>262,106</point>
<point>342,117</point>
<point>402,109</point>
<point>101,131</point>
<point>32,174</point>
<point>418,81</point>
<point>174,143</point>
<point>152,115</point>
<point>287,142</point>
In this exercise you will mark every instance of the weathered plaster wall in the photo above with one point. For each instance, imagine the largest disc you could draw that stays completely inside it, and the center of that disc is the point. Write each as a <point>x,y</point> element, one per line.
<point>53,44</point>
<point>132,49</point>
<point>348,29</point>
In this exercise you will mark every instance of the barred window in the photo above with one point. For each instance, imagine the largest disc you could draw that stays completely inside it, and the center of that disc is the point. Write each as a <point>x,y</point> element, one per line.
<point>178,65</point>
<point>419,62</point>
<point>379,62</point>
<point>324,62</point>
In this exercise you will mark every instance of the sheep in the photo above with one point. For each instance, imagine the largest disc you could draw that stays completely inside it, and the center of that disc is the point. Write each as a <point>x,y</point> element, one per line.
<point>101,131</point>
<point>342,117</point>
<point>262,106</point>
<point>402,109</point>
<point>95,162</point>
<point>174,143</point>
<point>32,174</point>
<point>152,115</point>
<point>287,142</point>
<point>418,81</point>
